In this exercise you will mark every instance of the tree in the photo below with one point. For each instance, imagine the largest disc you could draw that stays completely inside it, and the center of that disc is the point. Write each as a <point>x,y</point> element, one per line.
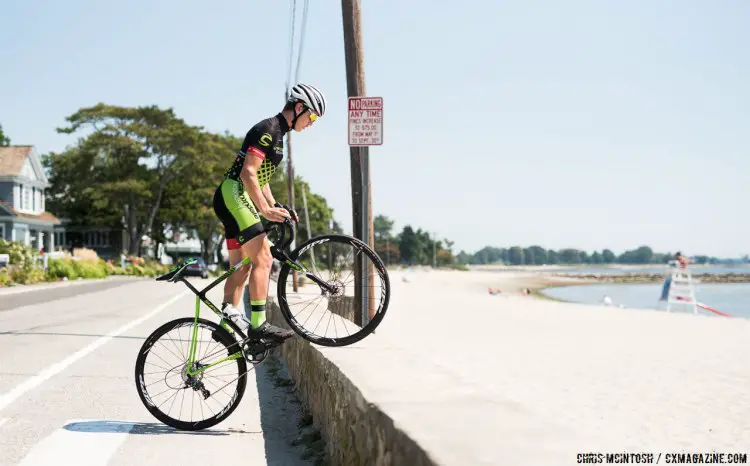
<point>382,227</point>
<point>570,256</point>
<point>187,204</point>
<point>4,140</point>
<point>535,255</point>
<point>409,245</point>
<point>134,154</point>
<point>516,255</point>
<point>608,256</point>
<point>552,257</point>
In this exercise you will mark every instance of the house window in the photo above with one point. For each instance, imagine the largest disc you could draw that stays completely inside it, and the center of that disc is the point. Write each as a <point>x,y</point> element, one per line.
<point>2,231</point>
<point>97,238</point>
<point>25,197</point>
<point>60,238</point>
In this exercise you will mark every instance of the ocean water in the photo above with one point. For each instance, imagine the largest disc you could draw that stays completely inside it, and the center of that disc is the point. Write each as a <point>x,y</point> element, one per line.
<point>615,270</point>
<point>695,270</point>
<point>731,298</point>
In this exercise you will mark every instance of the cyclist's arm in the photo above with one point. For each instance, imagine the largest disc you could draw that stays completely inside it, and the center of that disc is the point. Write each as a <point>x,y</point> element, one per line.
<point>249,177</point>
<point>269,195</point>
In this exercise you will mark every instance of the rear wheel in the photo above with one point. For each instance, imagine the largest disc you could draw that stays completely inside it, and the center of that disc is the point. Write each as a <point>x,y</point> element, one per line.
<point>334,317</point>
<point>180,400</point>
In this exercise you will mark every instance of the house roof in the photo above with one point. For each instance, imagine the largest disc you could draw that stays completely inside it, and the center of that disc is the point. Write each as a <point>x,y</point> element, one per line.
<point>44,216</point>
<point>12,159</point>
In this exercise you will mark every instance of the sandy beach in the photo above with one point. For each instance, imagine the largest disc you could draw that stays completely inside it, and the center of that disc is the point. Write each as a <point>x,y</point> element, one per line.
<point>630,379</point>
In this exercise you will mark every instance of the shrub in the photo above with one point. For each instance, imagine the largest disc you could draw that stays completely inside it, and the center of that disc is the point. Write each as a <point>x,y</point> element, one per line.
<point>5,279</point>
<point>20,255</point>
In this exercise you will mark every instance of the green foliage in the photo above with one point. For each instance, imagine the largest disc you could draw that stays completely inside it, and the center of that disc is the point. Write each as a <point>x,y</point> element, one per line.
<point>122,168</point>
<point>382,227</point>
<point>20,255</point>
<point>5,279</point>
<point>4,140</point>
<point>536,255</point>
<point>73,269</point>
<point>26,269</point>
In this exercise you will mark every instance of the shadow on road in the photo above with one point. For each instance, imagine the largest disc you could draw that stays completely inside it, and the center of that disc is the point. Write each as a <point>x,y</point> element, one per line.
<point>142,428</point>
<point>287,431</point>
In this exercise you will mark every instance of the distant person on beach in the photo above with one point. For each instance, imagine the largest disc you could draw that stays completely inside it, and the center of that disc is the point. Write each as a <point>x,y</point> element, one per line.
<point>682,260</point>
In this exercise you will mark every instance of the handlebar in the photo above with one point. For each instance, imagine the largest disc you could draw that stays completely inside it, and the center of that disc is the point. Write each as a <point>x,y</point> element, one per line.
<point>282,243</point>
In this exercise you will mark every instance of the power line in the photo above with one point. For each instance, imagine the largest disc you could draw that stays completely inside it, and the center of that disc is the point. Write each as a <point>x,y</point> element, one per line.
<point>301,39</point>
<point>292,29</point>
<point>292,24</point>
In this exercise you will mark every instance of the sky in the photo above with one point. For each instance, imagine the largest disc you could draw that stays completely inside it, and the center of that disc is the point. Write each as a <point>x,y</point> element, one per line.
<point>581,124</point>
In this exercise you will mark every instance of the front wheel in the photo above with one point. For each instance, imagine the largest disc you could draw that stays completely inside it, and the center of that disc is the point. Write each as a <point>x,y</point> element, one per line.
<point>184,399</point>
<point>335,310</point>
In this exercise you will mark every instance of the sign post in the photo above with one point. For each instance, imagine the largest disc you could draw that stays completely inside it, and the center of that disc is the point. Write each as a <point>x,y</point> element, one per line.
<point>365,121</point>
<point>365,129</point>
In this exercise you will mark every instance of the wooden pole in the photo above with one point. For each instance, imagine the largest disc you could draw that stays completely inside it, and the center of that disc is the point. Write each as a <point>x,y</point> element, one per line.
<point>360,165</point>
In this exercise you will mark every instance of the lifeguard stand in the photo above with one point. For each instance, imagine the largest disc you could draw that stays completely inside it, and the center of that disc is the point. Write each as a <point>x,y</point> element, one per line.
<point>678,287</point>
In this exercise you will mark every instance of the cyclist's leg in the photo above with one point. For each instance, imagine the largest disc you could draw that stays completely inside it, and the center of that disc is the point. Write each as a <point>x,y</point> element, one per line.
<point>259,251</point>
<point>235,218</point>
<point>252,239</point>
<point>233,285</point>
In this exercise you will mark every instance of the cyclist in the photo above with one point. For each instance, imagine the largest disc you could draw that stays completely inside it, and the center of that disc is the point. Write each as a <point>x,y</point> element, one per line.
<point>245,195</point>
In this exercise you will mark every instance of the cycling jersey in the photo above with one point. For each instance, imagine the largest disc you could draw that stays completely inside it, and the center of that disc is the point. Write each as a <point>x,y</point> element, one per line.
<point>232,203</point>
<point>264,140</point>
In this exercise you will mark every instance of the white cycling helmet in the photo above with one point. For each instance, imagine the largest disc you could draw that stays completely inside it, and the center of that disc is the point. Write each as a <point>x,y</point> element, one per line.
<point>310,96</point>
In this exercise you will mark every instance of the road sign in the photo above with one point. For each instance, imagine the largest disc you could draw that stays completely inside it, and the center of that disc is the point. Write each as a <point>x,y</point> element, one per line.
<point>365,121</point>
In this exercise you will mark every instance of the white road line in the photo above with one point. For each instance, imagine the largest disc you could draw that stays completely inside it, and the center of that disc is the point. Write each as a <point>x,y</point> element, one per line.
<point>92,445</point>
<point>33,382</point>
<point>54,286</point>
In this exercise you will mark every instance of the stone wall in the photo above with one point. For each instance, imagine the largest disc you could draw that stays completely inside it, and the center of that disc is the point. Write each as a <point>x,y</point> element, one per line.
<point>357,432</point>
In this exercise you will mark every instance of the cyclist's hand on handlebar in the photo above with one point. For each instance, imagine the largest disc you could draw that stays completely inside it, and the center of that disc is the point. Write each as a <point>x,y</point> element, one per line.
<point>291,212</point>
<point>275,214</point>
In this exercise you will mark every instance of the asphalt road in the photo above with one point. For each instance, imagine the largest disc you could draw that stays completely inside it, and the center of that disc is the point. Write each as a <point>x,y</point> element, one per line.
<point>67,392</point>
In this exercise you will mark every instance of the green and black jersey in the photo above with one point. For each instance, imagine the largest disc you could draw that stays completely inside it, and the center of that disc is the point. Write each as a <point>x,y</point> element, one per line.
<point>232,204</point>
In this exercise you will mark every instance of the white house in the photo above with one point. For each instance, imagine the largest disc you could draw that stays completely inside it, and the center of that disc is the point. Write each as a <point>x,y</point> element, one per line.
<point>23,182</point>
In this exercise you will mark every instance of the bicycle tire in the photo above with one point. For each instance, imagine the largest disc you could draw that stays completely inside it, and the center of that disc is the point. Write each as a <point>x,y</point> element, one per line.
<point>221,336</point>
<point>342,341</point>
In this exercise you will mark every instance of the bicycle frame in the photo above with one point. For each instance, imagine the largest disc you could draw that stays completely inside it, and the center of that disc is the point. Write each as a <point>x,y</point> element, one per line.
<point>200,296</point>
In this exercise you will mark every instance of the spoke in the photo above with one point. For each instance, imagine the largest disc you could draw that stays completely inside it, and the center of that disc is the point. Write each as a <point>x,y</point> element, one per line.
<point>168,349</point>
<point>165,369</point>
<point>176,392</point>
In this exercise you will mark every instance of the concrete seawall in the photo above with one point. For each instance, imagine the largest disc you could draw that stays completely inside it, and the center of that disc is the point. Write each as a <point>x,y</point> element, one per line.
<point>357,431</point>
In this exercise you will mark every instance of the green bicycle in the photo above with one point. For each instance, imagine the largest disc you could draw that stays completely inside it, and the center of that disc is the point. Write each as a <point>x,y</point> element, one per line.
<point>208,361</point>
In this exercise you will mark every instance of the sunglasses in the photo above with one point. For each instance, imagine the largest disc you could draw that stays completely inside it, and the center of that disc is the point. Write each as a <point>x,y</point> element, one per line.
<point>313,116</point>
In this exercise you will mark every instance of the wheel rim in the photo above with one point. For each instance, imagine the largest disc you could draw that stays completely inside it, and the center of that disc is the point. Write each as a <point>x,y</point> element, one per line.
<point>177,398</point>
<point>331,316</point>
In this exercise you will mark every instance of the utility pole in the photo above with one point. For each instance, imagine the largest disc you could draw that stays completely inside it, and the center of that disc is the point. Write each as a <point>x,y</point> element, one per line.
<point>360,164</point>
